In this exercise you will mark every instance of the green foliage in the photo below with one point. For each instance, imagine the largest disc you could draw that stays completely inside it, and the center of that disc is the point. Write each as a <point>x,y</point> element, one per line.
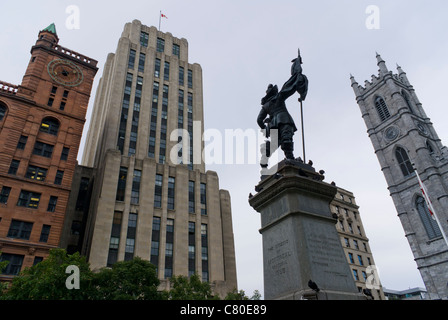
<point>184,288</point>
<point>46,280</point>
<point>127,280</point>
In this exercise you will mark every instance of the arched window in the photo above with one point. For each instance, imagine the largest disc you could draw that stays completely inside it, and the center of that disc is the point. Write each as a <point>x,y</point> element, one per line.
<point>429,147</point>
<point>431,227</point>
<point>408,101</point>
<point>404,162</point>
<point>382,109</point>
<point>50,125</point>
<point>3,110</point>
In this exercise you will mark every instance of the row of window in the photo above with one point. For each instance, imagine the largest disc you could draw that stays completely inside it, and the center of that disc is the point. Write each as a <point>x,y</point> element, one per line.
<point>15,263</point>
<point>160,45</point>
<point>360,259</point>
<point>52,98</point>
<point>135,193</point>
<point>22,230</point>
<point>35,172</point>
<point>28,199</point>
<point>355,244</point>
<point>383,110</point>
<point>155,244</point>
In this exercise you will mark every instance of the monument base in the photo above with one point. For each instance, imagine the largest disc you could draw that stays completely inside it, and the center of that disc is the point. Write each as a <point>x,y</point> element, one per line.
<point>302,252</point>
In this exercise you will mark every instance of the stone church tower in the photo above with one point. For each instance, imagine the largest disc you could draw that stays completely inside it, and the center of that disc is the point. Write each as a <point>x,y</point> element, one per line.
<point>402,136</point>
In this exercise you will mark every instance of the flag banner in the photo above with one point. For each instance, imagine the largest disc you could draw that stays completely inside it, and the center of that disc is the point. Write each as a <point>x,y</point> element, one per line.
<point>425,196</point>
<point>163,16</point>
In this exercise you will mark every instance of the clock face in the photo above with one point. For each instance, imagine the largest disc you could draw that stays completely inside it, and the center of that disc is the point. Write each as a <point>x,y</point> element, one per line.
<point>65,72</point>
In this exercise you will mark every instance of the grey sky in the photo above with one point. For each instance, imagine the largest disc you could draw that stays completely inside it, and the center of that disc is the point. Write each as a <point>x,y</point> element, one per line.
<point>243,46</point>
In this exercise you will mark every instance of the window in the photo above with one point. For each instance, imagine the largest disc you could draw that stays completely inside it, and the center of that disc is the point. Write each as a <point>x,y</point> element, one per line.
<point>22,142</point>
<point>160,45</point>
<point>62,105</point>
<point>135,195</point>
<point>144,37</point>
<point>44,233</point>
<point>157,68</point>
<point>65,95</point>
<point>50,102</point>
<point>203,199</point>
<point>14,167</point>
<point>4,195</point>
<point>191,249</point>
<point>54,90</point>
<point>64,154</point>
<point>191,196</point>
<point>131,62</point>
<point>141,62</point>
<point>181,76</point>
<point>190,79</point>
<point>382,109</point>
<point>130,240</point>
<point>431,226</point>
<point>114,238</point>
<point>3,110</point>
<point>29,199</point>
<point>15,263</point>
<point>176,50</point>
<point>350,256</point>
<point>355,274</point>
<point>121,188</point>
<point>347,243</point>
<point>50,125</point>
<point>169,248</point>
<point>429,147</point>
<point>158,191</point>
<point>404,162</point>
<point>408,101</point>
<point>171,187</point>
<point>204,252</point>
<point>361,263</point>
<point>52,204</point>
<point>20,230</point>
<point>43,149</point>
<point>36,173</point>
<point>155,241</point>
<point>58,178</point>
<point>166,71</point>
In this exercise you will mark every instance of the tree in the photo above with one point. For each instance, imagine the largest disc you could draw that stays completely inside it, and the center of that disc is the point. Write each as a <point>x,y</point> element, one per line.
<point>127,280</point>
<point>192,288</point>
<point>241,295</point>
<point>47,279</point>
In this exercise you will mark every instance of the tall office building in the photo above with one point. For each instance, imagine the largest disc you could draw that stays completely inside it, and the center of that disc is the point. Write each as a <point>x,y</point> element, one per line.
<point>41,123</point>
<point>356,243</point>
<point>151,195</point>
<point>402,136</point>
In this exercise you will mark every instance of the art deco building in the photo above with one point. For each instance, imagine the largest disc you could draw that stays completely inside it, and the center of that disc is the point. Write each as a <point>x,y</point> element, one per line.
<point>41,123</point>
<point>151,195</point>
<point>403,136</point>
<point>356,244</point>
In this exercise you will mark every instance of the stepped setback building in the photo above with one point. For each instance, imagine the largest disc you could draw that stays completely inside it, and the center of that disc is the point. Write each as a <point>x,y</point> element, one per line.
<point>150,195</point>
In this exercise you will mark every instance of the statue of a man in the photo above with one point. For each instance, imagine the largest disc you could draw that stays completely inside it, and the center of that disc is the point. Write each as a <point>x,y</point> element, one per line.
<point>279,118</point>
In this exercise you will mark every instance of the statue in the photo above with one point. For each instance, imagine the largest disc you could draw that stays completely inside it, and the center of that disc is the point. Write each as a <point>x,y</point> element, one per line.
<point>274,115</point>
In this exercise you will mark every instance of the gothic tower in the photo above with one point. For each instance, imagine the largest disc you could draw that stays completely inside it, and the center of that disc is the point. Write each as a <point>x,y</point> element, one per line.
<point>402,136</point>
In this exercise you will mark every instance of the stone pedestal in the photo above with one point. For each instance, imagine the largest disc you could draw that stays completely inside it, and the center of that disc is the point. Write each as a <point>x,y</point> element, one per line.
<point>300,241</point>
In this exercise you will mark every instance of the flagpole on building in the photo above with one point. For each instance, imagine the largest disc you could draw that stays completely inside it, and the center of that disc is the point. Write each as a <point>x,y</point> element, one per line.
<point>429,204</point>
<point>160,18</point>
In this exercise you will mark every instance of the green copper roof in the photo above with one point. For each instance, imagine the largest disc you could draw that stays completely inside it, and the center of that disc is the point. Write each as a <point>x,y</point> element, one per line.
<point>51,28</point>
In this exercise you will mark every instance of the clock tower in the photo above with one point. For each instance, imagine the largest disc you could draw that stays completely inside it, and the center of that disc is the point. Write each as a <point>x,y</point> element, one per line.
<point>41,123</point>
<point>403,137</point>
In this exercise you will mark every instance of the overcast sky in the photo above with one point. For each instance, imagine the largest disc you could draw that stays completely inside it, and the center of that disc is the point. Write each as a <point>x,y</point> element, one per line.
<point>242,46</point>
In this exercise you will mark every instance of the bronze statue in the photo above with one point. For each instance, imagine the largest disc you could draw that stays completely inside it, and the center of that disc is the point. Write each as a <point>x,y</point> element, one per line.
<point>274,115</point>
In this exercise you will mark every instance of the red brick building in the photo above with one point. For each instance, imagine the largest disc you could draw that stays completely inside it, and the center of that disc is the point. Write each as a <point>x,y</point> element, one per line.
<point>41,123</point>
